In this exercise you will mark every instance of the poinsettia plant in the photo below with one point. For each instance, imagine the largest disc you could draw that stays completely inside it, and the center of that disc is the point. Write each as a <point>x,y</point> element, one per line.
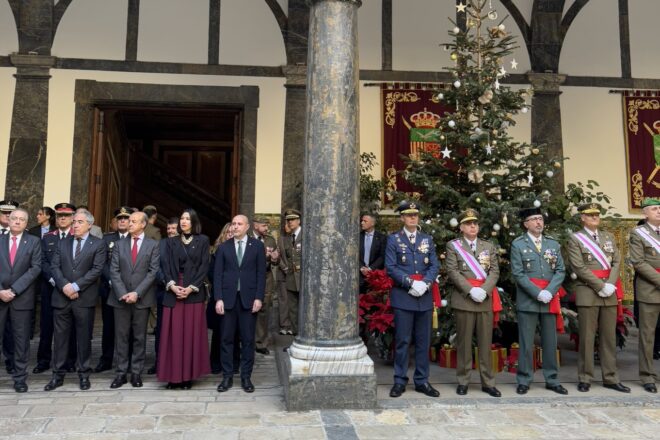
<point>375,313</point>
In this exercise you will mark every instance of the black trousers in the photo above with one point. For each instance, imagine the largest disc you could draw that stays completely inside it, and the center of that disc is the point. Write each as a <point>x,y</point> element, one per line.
<point>245,322</point>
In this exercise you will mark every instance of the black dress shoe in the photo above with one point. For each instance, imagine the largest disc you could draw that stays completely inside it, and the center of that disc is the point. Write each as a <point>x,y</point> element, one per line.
<point>427,389</point>
<point>172,386</point>
<point>186,385</point>
<point>264,351</point>
<point>557,389</point>
<point>491,391</point>
<point>20,387</point>
<point>650,387</point>
<point>583,387</point>
<point>522,389</point>
<point>84,383</point>
<point>101,367</point>
<point>40,369</point>
<point>118,381</point>
<point>152,370</point>
<point>617,387</point>
<point>247,386</point>
<point>54,383</point>
<point>227,382</point>
<point>397,390</point>
<point>10,369</point>
<point>136,381</point>
<point>461,390</point>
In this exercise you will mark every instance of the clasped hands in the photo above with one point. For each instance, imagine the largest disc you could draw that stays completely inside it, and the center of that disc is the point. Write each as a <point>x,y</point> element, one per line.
<point>478,294</point>
<point>130,298</point>
<point>180,292</point>
<point>544,296</point>
<point>70,292</point>
<point>7,295</point>
<point>418,288</point>
<point>607,290</point>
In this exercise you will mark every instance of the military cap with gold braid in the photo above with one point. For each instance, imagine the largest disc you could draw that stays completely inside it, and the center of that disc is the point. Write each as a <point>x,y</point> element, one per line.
<point>590,208</point>
<point>406,207</point>
<point>8,205</point>
<point>650,201</point>
<point>124,211</point>
<point>469,215</point>
<point>261,219</point>
<point>64,209</point>
<point>291,214</point>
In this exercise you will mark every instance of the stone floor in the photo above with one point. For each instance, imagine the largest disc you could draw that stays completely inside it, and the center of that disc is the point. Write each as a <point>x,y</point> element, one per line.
<point>152,412</point>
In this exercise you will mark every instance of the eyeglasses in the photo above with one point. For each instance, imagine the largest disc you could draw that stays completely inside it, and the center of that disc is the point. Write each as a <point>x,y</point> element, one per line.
<point>536,218</point>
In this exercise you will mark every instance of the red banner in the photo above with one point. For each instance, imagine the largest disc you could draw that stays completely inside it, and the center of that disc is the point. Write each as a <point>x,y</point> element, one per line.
<point>641,112</point>
<point>410,113</point>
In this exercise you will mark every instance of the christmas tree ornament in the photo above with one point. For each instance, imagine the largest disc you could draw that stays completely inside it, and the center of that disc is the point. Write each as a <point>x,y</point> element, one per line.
<point>489,150</point>
<point>524,109</point>
<point>486,97</point>
<point>557,165</point>
<point>537,203</point>
<point>440,96</point>
<point>535,151</point>
<point>501,27</point>
<point>494,233</point>
<point>496,227</point>
<point>505,220</point>
<point>453,222</point>
<point>492,15</point>
<point>477,200</point>
<point>530,178</point>
<point>456,30</point>
<point>549,173</point>
<point>453,56</point>
<point>451,123</point>
<point>446,153</point>
<point>494,142</point>
<point>514,64</point>
<point>497,85</point>
<point>460,7</point>
<point>493,180</point>
<point>457,84</point>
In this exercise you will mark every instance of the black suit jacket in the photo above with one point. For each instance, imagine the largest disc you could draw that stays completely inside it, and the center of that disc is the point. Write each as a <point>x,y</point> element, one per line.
<point>22,276</point>
<point>84,271</point>
<point>377,254</point>
<point>194,270</point>
<point>36,230</point>
<point>139,277</point>
<point>48,248</point>
<point>251,272</point>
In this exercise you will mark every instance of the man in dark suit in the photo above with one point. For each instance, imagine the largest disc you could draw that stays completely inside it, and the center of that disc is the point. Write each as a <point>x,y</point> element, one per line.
<point>411,261</point>
<point>76,269</point>
<point>107,312</point>
<point>49,243</point>
<point>45,222</point>
<point>372,249</point>
<point>6,208</point>
<point>239,283</point>
<point>133,271</point>
<point>20,266</point>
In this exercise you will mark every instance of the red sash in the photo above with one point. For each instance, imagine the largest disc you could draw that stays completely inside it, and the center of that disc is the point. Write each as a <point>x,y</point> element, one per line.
<point>619,291</point>
<point>497,302</point>
<point>435,290</point>
<point>555,306</point>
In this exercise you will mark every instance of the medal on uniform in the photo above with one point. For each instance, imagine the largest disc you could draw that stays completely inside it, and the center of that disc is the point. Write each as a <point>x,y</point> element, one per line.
<point>426,260</point>
<point>403,258</point>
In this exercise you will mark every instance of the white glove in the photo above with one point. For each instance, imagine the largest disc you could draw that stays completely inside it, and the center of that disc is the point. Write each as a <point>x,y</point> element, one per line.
<point>477,294</point>
<point>602,294</point>
<point>608,289</point>
<point>420,287</point>
<point>52,282</point>
<point>544,296</point>
<point>415,293</point>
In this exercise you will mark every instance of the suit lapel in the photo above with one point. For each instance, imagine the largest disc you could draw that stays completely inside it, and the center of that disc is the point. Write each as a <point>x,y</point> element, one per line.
<point>83,250</point>
<point>4,248</point>
<point>22,248</point>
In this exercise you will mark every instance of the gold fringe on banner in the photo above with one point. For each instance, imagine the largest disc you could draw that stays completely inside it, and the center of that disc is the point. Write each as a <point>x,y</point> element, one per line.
<point>637,93</point>
<point>408,86</point>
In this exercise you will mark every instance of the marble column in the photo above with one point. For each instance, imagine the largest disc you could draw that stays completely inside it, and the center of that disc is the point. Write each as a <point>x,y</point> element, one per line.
<point>546,118</point>
<point>26,164</point>
<point>328,366</point>
<point>294,136</point>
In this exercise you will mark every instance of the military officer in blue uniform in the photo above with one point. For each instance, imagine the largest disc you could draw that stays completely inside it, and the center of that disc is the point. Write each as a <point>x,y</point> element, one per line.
<point>538,270</point>
<point>411,261</point>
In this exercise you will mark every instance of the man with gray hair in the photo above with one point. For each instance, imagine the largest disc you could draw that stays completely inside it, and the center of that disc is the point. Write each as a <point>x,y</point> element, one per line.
<point>20,266</point>
<point>76,269</point>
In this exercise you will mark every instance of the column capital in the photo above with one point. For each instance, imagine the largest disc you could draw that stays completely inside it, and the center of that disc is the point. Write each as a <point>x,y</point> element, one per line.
<point>547,83</point>
<point>32,66</point>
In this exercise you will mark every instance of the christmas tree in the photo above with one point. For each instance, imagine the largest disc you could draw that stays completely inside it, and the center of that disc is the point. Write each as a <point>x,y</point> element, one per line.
<point>478,165</point>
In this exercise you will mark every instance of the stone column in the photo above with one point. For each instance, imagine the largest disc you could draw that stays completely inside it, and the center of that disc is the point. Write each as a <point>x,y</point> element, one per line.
<point>546,117</point>
<point>26,164</point>
<point>328,366</point>
<point>294,136</point>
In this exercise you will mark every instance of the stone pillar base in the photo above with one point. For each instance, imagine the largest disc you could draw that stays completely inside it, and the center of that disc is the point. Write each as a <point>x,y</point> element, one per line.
<point>330,383</point>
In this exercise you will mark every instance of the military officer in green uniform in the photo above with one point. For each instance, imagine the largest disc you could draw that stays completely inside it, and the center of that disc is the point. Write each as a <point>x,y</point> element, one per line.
<point>473,271</point>
<point>263,339</point>
<point>595,263</point>
<point>290,262</point>
<point>538,270</point>
<point>645,258</point>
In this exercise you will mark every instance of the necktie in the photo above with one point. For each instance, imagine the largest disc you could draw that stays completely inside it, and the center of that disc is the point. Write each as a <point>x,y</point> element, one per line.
<point>12,251</point>
<point>367,248</point>
<point>537,243</point>
<point>134,249</point>
<point>4,231</point>
<point>62,235</point>
<point>239,256</point>
<point>78,248</point>
<point>595,237</point>
<point>412,238</point>
<point>293,239</point>
<point>473,246</point>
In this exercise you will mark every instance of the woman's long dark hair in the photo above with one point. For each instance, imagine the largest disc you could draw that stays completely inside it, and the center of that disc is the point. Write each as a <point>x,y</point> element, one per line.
<point>195,224</point>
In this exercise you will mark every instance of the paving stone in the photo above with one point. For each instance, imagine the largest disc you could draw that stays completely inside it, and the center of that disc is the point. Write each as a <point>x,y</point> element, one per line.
<point>21,426</point>
<point>294,418</point>
<point>392,417</point>
<point>113,409</point>
<point>560,416</point>
<point>516,431</point>
<point>368,432</point>
<point>14,411</point>
<point>34,401</point>
<point>425,416</point>
<point>67,425</point>
<point>469,432</point>
<point>175,408</point>
<point>307,433</point>
<point>361,417</point>
<point>185,422</point>
<point>626,415</point>
<point>80,400</point>
<point>215,434</point>
<point>460,416</point>
<point>490,416</point>
<point>52,410</point>
<point>652,414</point>
<point>95,436</point>
<point>237,420</point>
<point>156,436</point>
<point>592,416</point>
<point>270,433</point>
<point>524,416</point>
<point>609,432</point>
<point>131,424</point>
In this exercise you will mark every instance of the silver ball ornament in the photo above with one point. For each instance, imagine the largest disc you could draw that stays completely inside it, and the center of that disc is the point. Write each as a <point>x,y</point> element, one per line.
<point>496,227</point>
<point>457,84</point>
<point>549,173</point>
<point>456,30</point>
<point>537,204</point>
<point>453,222</point>
<point>452,124</point>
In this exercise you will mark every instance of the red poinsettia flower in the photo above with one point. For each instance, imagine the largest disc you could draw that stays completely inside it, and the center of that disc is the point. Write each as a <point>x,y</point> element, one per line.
<point>378,280</point>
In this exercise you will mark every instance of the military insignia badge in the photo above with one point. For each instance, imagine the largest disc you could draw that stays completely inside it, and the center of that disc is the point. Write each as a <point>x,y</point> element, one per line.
<point>608,246</point>
<point>550,256</point>
<point>426,260</point>
<point>111,245</point>
<point>484,259</point>
<point>424,246</point>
